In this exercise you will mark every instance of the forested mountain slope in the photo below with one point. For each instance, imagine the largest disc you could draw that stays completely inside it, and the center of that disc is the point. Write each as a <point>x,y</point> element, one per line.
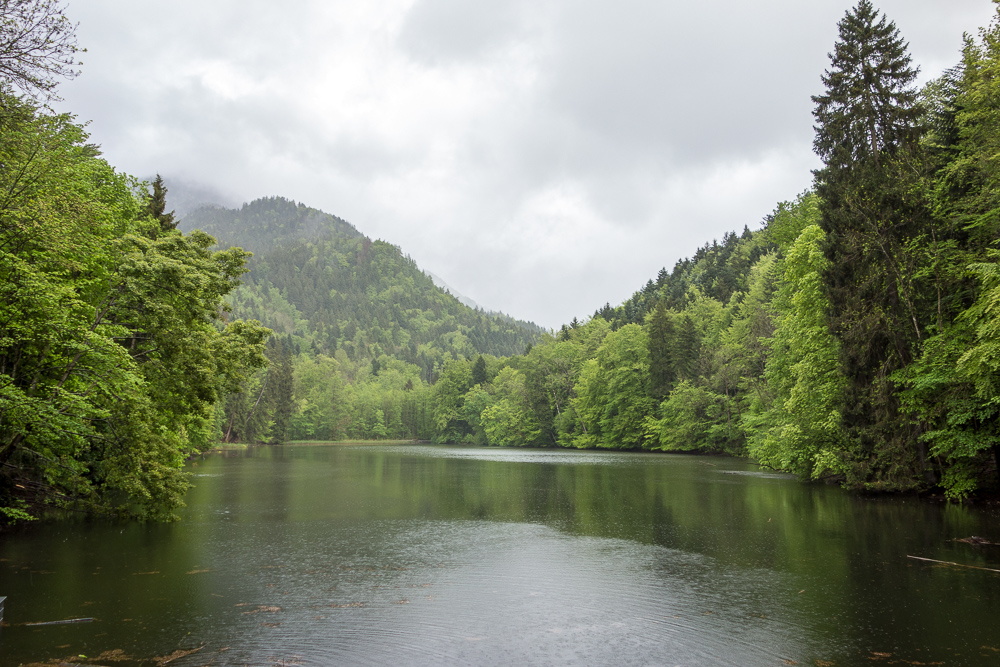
<point>358,310</point>
<point>265,224</point>
<point>318,279</point>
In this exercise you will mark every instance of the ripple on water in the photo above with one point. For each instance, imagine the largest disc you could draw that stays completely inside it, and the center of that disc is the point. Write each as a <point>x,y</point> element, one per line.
<point>516,455</point>
<point>468,592</point>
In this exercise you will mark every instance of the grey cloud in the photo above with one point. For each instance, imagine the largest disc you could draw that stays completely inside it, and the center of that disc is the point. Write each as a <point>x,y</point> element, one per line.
<point>672,122</point>
<point>442,31</point>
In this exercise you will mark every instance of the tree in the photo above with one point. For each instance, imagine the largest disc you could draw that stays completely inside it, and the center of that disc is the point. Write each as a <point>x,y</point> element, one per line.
<point>660,327</point>
<point>509,420</point>
<point>690,420</point>
<point>796,426</point>
<point>872,209</point>
<point>869,108</point>
<point>479,375</point>
<point>113,354</point>
<point>685,349</point>
<point>37,47</point>
<point>449,393</point>
<point>157,205</point>
<point>613,391</point>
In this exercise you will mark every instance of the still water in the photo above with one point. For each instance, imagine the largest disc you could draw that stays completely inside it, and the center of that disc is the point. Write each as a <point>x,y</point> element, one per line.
<point>422,555</point>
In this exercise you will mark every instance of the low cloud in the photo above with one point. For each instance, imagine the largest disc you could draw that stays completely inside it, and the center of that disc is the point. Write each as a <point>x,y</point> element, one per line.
<point>543,158</point>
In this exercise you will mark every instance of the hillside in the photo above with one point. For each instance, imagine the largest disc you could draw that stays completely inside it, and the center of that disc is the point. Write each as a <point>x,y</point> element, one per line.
<point>353,316</point>
<point>265,224</point>
<point>316,278</point>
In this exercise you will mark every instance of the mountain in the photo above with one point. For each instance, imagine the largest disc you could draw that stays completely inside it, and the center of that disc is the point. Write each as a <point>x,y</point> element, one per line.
<point>266,224</point>
<point>316,278</point>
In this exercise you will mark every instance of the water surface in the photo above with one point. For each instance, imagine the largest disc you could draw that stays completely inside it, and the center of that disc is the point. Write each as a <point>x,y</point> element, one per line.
<point>420,555</point>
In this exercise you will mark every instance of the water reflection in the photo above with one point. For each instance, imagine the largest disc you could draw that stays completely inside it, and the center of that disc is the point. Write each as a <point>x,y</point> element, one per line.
<point>437,555</point>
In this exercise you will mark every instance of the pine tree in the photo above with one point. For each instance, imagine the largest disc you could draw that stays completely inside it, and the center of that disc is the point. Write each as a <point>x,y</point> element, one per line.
<point>661,348</point>
<point>479,375</point>
<point>157,205</point>
<point>868,135</point>
<point>870,108</point>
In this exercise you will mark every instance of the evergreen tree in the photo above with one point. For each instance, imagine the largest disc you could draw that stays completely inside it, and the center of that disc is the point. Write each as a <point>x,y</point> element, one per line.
<point>282,403</point>
<point>157,205</point>
<point>661,348</point>
<point>868,136</point>
<point>685,350</point>
<point>869,108</point>
<point>479,375</point>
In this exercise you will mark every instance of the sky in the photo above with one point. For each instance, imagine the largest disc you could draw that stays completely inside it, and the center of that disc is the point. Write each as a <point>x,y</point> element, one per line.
<point>543,157</point>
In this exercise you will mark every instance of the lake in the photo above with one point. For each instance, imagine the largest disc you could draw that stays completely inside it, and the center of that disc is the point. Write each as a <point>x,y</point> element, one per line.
<point>435,555</point>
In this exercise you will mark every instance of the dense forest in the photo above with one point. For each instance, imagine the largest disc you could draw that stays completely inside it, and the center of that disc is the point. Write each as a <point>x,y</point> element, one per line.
<point>853,337</point>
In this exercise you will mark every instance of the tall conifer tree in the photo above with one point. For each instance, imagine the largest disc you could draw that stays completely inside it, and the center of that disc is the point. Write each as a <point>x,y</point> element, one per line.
<point>661,349</point>
<point>868,135</point>
<point>157,206</point>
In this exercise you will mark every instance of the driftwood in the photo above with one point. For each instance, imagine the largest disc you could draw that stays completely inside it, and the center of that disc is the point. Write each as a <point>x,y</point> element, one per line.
<point>67,621</point>
<point>945,562</point>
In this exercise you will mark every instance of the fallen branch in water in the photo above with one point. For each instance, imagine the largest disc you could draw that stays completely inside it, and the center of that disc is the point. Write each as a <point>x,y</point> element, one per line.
<point>68,620</point>
<point>944,562</point>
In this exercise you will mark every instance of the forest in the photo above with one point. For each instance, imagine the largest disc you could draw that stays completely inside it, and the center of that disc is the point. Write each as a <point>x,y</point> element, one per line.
<point>853,337</point>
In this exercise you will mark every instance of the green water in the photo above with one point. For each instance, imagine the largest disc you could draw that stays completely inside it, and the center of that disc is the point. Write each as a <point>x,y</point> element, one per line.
<point>358,555</point>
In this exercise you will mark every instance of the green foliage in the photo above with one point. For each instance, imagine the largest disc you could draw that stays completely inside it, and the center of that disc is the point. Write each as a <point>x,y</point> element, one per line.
<point>320,402</point>
<point>796,424</point>
<point>853,338</point>
<point>869,108</point>
<point>449,391</point>
<point>790,218</point>
<point>612,400</point>
<point>874,206</point>
<point>509,419</point>
<point>691,419</point>
<point>112,350</point>
<point>331,292</point>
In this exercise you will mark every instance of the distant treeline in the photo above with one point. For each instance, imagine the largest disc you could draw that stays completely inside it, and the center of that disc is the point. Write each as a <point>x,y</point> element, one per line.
<point>856,337</point>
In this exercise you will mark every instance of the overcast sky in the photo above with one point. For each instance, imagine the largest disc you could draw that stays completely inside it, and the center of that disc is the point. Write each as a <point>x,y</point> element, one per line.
<point>543,157</point>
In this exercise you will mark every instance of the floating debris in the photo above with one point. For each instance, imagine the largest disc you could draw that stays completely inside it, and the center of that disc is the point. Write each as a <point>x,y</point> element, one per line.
<point>63,622</point>
<point>263,607</point>
<point>179,653</point>
<point>945,562</point>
